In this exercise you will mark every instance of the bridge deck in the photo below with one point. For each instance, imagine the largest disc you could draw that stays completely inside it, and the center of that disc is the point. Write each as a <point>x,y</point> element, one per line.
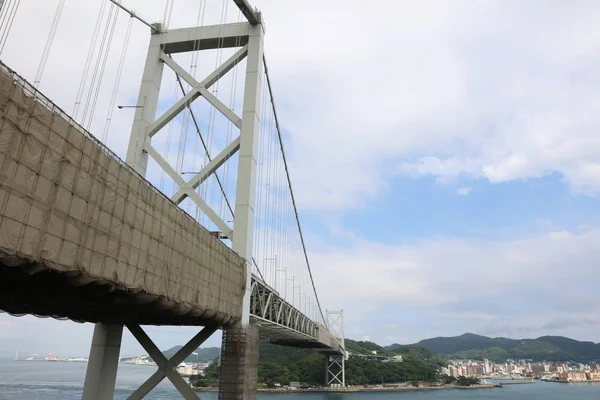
<point>82,236</point>
<point>281,323</point>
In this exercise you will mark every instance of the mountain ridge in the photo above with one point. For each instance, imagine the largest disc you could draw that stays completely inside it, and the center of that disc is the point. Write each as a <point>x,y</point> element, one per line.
<point>543,348</point>
<point>465,346</point>
<point>205,354</point>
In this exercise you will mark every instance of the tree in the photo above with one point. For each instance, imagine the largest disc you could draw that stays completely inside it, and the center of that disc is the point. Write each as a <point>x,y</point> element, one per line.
<point>213,370</point>
<point>272,373</point>
<point>198,381</point>
<point>467,381</point>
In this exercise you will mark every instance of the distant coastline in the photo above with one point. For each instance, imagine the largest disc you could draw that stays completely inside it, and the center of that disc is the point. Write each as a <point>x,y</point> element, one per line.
<point>362,389</point>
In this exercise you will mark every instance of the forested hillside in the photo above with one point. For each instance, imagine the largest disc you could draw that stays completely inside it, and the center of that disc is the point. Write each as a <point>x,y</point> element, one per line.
<point>278,364</point>
<point>549,348</point>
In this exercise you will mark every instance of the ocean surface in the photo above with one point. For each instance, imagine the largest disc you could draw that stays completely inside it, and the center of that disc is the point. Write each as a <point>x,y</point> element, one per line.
<point>39,380</point>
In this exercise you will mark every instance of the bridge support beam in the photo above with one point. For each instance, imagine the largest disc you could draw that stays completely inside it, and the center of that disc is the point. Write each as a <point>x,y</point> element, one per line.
<point>239,363</point>
<point>335,371</point>
<point>166,367</point>
<point>240,360</point>
<point>102,366</point>
<point>335,368</point>
<point>103,359</point>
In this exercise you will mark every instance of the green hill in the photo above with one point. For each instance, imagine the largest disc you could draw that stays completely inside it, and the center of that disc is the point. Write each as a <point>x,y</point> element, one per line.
<point>359,347</point>
<point>549,348</point>
<point>279,364</point>
<point>468,341</point>
<point>584,350</point>
<point>206,354</point>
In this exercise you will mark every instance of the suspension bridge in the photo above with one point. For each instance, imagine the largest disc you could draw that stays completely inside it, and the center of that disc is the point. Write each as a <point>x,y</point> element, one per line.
<point>198,226</point>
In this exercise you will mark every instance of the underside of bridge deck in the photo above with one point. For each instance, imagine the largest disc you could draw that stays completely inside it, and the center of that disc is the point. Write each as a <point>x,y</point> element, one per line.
<point>85,237</point>
<point>33,289</point>
<point>308,344</point>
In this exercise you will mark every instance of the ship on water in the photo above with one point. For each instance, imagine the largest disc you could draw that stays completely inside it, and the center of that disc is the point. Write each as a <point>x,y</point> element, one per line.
<point>30,358</point>
<point>49,357</point>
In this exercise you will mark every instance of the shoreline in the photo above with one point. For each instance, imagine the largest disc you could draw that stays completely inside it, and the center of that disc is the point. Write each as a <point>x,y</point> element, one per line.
<point>361,389</point>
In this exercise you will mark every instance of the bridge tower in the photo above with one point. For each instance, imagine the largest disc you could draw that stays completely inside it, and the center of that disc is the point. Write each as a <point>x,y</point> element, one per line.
<point>335,374</point>
<point>239,359</point>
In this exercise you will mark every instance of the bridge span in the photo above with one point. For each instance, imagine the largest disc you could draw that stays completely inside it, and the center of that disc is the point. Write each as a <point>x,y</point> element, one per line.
<point>81,228</point>
<point>84,236</point>
<point>89,237</point>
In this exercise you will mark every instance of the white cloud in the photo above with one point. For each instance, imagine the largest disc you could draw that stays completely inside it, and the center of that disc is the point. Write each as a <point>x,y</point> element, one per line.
<point>400,339</point>
<point>530,110</point>
<point>463,191</point>
<point>499,90</point>
<point>478,284</point>
<point>471,315</point>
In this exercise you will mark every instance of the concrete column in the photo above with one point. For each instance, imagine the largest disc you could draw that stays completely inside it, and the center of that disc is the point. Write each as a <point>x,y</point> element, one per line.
<point>104,356</point>
<point>145,113</point>
<point>245,195</point>
<point>239,356</point>
<point>239,363</point>
<point>102,367</point>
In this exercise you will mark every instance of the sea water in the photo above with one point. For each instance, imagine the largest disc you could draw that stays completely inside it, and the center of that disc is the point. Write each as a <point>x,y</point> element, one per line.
<point>42,380</point>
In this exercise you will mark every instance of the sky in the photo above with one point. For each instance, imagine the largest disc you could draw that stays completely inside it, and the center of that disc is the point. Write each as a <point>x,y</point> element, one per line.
<point>445,157</point>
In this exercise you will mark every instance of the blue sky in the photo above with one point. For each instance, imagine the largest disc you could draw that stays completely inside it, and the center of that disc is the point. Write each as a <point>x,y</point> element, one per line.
<point>416,208</point>
<point>445,160</point>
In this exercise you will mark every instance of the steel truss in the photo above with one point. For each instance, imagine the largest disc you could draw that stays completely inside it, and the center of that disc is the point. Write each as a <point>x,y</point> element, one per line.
<point>166,367</point>
<point>248,38</point>
<point>276,316</point>
<point>336,364</point>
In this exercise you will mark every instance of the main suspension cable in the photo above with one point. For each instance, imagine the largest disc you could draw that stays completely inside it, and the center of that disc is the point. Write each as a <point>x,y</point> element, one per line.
<point>100,67</point>
<point>7,17</point>
<point>88,60</point>
<point>115,90</point>
<point>168,13</point>
<point>49,41</point>
<point>289,182</point>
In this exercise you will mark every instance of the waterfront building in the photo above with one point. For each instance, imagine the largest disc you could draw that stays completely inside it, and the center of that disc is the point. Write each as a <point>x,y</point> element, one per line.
<point>593,376</point>
<point>453,371</point>
<point>573,376</point>
<point>538,368</point>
